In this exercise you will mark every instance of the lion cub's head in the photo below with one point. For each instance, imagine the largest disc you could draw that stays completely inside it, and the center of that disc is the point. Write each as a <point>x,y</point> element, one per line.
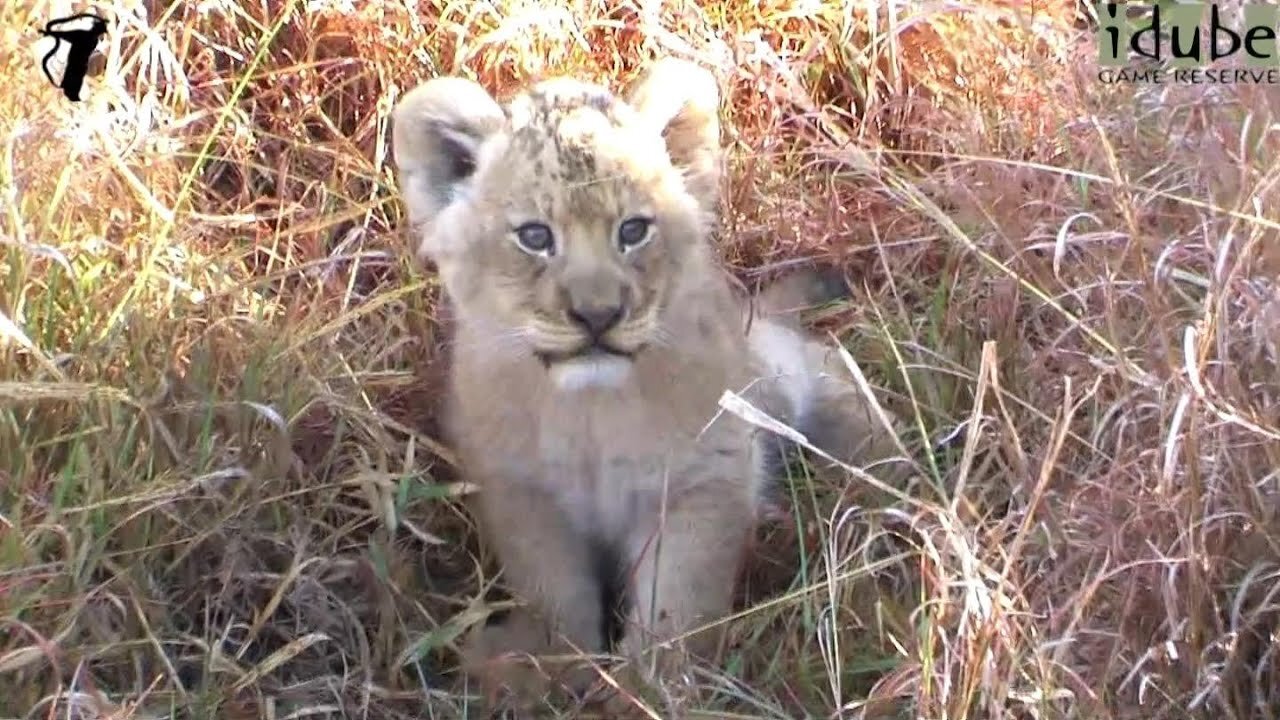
<point>568,223</point>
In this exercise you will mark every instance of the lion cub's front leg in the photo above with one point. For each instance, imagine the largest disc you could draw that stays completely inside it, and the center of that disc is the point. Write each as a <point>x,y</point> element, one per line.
<point>687,559</point>
<point>547,565</point>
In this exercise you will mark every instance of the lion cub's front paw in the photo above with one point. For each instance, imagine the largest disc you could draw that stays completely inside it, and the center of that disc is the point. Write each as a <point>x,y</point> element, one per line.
<point>502,658</point>
<point>514,664</point>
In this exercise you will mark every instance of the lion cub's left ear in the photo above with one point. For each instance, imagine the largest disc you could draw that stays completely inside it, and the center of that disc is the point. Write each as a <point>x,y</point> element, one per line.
<point>436,131</point>
<point>683,99</point>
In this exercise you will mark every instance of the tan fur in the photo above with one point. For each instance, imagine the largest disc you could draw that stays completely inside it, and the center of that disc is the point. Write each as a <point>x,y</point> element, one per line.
<point>629,456</point>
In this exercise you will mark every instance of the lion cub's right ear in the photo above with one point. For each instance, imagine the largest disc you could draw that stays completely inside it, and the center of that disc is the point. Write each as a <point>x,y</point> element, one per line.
<point>436,130</point>
<point>682,99</point>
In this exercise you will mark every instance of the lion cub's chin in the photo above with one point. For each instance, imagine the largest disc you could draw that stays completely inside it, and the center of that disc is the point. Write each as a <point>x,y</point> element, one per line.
<point>593,370</point>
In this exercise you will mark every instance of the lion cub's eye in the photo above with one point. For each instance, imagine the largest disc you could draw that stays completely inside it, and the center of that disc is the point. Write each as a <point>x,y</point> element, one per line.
<point>535,238</point>
<point>633,232</point>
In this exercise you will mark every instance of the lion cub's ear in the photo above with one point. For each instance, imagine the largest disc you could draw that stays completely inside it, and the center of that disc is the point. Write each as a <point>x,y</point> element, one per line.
<point>436,130</point>
<point>683,99</point>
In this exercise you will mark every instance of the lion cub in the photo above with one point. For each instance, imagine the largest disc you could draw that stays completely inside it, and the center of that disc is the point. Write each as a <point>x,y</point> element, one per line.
<point>595,333</point>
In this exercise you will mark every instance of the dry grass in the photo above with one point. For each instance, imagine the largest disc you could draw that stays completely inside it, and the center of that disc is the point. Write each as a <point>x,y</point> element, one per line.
<point>220,496</point>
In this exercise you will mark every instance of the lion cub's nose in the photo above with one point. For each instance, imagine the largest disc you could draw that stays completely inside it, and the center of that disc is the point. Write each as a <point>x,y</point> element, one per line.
<point>596,319</point>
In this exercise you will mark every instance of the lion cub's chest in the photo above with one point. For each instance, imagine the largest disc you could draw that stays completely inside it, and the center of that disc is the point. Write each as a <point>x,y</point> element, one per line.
<point>613,458</point>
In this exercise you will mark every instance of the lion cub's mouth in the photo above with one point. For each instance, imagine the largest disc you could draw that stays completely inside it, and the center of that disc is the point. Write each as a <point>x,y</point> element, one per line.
<point>598,365</point>
<point>593,351</point>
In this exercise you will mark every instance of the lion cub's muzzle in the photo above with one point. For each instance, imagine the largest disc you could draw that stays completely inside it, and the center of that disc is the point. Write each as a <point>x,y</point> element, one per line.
<point>595,322</point>
<point>609,341</point>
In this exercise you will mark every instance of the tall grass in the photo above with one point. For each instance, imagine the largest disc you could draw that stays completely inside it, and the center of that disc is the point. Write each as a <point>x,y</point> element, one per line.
<point>220,492</point>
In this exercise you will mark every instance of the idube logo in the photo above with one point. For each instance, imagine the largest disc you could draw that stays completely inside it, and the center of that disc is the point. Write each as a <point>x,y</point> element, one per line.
<point>1165,42</point>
